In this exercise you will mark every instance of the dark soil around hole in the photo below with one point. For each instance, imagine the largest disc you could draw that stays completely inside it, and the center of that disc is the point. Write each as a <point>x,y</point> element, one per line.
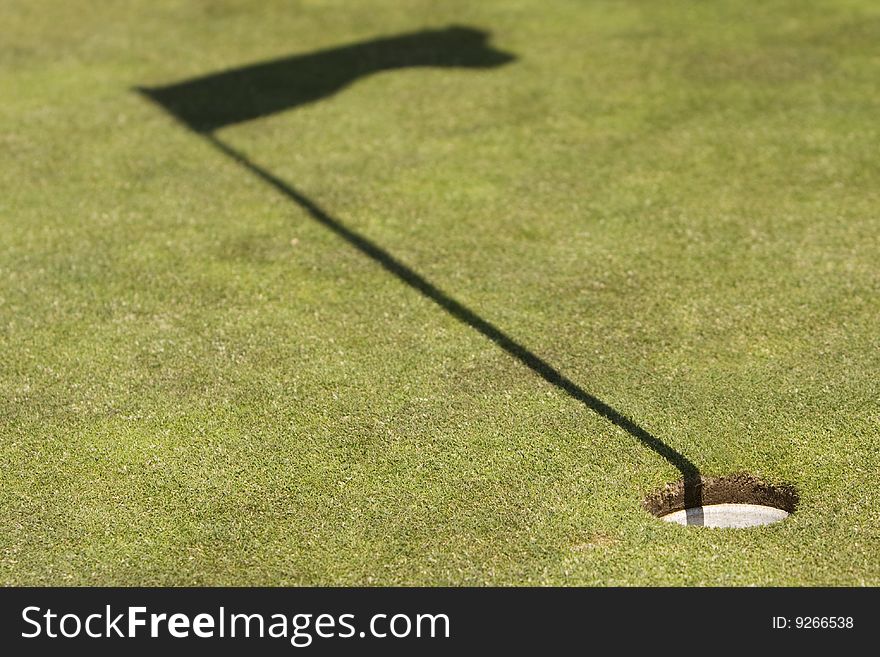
<point>734,489</point>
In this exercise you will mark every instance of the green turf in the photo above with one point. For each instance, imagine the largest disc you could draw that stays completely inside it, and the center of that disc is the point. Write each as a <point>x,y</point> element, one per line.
<point>675,204</point>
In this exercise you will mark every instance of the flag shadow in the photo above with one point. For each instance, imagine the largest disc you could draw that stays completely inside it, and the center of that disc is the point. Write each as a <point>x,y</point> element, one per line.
<point>221,99</point>
<point>214,101</point>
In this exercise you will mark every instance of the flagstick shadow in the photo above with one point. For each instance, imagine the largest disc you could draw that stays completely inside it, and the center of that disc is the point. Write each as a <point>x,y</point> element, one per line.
<point>226,98</point>
<point>462,313</point>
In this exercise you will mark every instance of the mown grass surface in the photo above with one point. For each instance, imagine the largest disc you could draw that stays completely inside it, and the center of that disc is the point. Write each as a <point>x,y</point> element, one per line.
<point>676,204</point>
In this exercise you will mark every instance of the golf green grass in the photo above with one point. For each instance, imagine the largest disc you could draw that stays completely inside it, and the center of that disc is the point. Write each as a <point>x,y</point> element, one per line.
<point>676,205</point>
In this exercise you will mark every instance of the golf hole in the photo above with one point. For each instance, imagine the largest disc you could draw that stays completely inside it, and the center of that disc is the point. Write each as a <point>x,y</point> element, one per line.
<point>736,501</point>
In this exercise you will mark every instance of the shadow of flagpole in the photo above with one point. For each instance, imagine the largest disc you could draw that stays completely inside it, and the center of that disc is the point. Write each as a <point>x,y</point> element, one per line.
<point>208,103</point>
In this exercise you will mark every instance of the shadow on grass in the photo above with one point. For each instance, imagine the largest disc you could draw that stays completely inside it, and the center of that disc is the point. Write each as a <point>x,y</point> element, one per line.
<point>207,103</point>
<point>220,99</point>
